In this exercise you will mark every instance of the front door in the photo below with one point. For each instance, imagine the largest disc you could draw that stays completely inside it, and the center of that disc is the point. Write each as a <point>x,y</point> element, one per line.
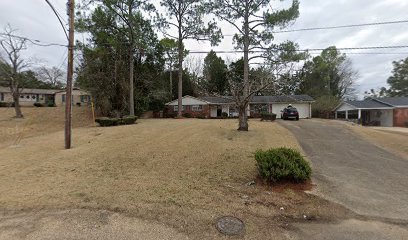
<point>213,111</point>
<point>219,112</point>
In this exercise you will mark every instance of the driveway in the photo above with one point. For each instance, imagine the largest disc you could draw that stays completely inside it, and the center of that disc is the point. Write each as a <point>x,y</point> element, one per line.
<point>348,170</point>
<point>352,171</point>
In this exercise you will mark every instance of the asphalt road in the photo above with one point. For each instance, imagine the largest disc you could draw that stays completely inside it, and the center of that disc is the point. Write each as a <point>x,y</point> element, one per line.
<point>351,171</point>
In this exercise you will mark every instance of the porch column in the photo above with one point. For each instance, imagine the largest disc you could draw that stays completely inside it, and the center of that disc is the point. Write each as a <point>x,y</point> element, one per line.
<point>335,115</point>
<point>346,114</point>
<point>359,116</point>
<point>310,110</point>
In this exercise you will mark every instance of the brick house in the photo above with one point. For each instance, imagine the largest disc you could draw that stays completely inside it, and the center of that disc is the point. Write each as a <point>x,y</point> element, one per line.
<point>386,112</point>
<point>213,107</point>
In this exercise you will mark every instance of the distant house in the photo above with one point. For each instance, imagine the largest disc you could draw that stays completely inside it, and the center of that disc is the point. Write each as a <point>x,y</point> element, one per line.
<point>387,112</point>
<point>79,97</point>
<point>213,107</point>
<point>30,96</point>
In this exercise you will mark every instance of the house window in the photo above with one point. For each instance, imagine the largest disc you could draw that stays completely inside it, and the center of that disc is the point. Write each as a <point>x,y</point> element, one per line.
<point>197,108</point>
<point>182,109</point>
<point>63,97</point>
<point>2,97</point>
<point>21,96</point>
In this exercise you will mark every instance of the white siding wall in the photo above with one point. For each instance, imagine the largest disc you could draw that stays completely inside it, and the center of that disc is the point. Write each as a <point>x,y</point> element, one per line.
<point>188,101</point>
<point>384,116</point>
<point>303,109</point>
<point>345,107</point>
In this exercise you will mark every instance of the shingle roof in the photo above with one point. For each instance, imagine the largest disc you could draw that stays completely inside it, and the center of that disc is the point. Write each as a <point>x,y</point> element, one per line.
<point>261,99</point>
<point>217,99</point>
<point>282,99</point>
<point>31,91</point>
<point>368,103</point>
<point>394,101</point>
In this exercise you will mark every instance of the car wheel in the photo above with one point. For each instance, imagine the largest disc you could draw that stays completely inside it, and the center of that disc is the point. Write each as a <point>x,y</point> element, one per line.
<point>297,119</point>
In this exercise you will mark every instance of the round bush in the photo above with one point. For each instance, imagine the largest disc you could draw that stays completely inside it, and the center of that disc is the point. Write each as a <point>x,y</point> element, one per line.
<point>282,164</point>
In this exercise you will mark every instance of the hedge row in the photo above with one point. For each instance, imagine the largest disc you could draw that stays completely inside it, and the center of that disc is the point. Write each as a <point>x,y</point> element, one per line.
<point>268,116</point>
<point>107,122</point>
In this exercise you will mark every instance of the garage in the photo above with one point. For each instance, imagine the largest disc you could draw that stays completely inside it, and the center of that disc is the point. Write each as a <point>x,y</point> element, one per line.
<point>276,104</point>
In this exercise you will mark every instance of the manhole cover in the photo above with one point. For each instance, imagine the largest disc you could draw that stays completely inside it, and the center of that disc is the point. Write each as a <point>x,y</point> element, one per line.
<point>230,225</point>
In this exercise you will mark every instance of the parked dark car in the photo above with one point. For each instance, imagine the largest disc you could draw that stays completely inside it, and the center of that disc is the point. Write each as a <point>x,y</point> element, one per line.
<point>290,113</point>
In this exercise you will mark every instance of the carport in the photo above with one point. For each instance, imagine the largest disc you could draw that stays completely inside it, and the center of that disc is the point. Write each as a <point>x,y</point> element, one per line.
<point>367,112</point>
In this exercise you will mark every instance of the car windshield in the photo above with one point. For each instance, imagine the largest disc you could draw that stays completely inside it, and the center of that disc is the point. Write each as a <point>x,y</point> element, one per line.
<point>292,110</point>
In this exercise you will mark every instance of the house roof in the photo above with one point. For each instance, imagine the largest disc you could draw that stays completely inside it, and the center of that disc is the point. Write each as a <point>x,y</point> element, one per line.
<point>31,90</point>
<point>220,100</point>
<point>255,99</point>
<point>394,101</point>
<point>367,104</point>
<point>282,99</point>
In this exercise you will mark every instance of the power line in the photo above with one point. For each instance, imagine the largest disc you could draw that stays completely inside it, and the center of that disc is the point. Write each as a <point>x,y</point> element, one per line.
<point>335,27</point>
<point>306,50</point>
<point>34,41</point>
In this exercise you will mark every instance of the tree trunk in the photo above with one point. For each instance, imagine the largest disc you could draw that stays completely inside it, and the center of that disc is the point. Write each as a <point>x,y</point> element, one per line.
<point>16,99</point>
<point>171,81</point>
<point>131,88</point>
<point>180,75</point>
<point>243,119</point>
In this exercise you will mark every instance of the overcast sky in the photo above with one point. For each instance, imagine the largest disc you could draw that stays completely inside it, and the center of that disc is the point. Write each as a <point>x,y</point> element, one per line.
<point>34,19</point>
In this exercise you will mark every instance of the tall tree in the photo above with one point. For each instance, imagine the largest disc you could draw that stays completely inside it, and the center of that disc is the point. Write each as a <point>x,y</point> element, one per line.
<point>129,13</point>
<point>53,76</point>
<point>104,69</point>
<point>186,16</point>
<point>330,74</point>
<point>215,74</point>
<point>399,80</point>
<point>13,64</point>
<point>254,21</point>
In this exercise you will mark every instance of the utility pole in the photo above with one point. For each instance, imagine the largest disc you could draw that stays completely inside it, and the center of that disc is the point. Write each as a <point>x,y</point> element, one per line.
<point>70,72</point>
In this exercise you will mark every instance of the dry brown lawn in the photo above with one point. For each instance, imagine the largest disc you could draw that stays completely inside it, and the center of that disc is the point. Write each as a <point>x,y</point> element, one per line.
<point>184,173</point>
<point>395,142</point>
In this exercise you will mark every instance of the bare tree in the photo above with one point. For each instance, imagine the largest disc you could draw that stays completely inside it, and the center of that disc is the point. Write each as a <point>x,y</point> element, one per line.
<point>13,64</point>
<point>53,76</point>
<point>348,77</point>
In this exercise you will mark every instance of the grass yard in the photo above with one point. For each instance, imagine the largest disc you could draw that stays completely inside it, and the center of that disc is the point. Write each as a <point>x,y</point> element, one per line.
<point>183,173</point>
<point>395,142</point>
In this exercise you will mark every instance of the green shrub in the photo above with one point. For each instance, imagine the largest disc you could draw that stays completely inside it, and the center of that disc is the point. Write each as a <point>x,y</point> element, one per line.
<point>126,120</point>
<point>37,104</point>
<point>282,164</point>
<point>107,122</point>
<point>268,116</point>
<point>171,114</point>
<point>406,124</point>
<point>51,104</point>
<point>6,104</point>
<point>201,115</point>
<point>187,115</point>
<point>224,115</point>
